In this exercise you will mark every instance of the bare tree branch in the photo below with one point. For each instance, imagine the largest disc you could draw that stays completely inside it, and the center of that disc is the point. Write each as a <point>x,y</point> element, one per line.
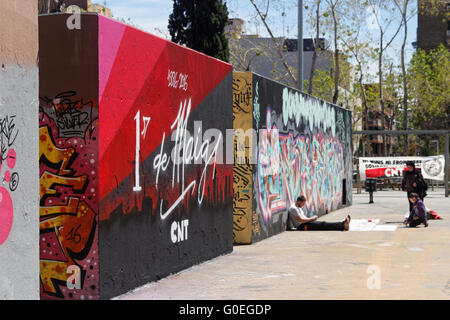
<point>277,46</point>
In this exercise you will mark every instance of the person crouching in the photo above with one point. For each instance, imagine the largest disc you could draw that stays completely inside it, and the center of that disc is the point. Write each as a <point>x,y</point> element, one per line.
<point>418,214</point>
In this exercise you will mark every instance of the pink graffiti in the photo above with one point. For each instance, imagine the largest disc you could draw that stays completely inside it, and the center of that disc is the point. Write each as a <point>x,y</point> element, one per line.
<point>6,214</point>
<point>7,177</point>
<point>11,158</point>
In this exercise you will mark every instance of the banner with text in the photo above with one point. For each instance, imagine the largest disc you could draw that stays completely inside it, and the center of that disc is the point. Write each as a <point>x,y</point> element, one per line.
<point>432,167</point>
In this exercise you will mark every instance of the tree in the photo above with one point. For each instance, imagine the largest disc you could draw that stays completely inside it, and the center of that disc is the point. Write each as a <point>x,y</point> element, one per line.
<point>358,46</point>
<point>392,89</point>
<point>383,24</point>
<point>429,92</point>
<point>322,84</point>
<point>333,7</point>
<point>316,23</point>
<point>436,8</point>
<point>429,88</point>
<point>200,25</point>
<point>243,51</point>
<point>402,6</point>
<point>278,47</point>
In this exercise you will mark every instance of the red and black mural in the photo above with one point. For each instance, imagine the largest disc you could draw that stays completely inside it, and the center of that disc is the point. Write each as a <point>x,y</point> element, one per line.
<point>165,192</point>
<point>133,140</point>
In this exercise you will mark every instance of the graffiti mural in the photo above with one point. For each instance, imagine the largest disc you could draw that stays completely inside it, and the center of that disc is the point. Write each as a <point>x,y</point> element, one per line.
<point>134,184</point>
<point>68,198</point>
<point>165,190</point>
<point>292,165</point>
<point>242,170</point>
<point>303,148</point>
<point>72,116</point>
<point>69,164</point>
<point>9,179</point>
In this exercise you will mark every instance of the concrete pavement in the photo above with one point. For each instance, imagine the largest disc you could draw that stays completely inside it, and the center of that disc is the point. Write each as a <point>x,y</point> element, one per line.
<point>404,264</point>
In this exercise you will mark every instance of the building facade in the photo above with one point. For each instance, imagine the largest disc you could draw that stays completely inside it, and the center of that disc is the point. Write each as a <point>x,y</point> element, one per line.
<point>53,6</point>
<point>433,29</point>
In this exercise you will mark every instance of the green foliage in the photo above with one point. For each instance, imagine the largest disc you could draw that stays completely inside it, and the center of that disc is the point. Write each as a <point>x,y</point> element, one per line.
<point>323,85</point>
<point>200,24</point>
<point>437,8</point>
<point>429,86</point>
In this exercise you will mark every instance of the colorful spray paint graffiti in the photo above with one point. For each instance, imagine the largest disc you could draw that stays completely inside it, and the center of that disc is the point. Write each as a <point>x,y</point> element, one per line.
<point>9,179</point>
<point>152,116</point>
<point>303,148</point>
<point>291,165</point>
<point>68,198</point>
<point>242,169</point>
<point>68,159</point>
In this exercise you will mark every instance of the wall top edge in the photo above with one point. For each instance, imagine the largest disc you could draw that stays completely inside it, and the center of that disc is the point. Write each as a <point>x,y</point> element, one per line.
<point>293,89</point>
<point>69,14</point>
<point>102,17</point>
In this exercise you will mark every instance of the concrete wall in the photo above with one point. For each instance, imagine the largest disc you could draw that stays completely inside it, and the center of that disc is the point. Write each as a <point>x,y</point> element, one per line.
<point>19,272</point>
<point>119,107</point>
<point>300,146</point>
<point>163,215</point>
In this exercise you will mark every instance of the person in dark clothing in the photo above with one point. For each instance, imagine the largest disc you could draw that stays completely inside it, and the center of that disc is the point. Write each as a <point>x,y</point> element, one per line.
<point>413,182</point>
<point>298,220</point>
<point>418,214</point>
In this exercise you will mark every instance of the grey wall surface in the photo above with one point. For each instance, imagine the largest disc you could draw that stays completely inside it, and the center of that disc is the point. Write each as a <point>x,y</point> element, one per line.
<point>269,63</point>
<point>19,198</point>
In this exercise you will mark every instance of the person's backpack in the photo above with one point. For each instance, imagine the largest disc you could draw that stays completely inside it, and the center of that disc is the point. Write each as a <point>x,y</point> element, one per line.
<point>422,184</point>
<point>425,185</point>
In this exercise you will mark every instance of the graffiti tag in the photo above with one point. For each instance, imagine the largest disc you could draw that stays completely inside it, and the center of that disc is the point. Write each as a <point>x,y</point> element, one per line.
<point>177,80</point>
<point>8,158</point>
<point>72,116</point>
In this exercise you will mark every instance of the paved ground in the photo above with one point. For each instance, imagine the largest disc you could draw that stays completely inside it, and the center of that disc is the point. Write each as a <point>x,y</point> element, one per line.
<point>411,263</point>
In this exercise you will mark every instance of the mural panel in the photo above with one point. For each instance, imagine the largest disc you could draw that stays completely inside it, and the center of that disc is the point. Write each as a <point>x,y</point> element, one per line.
<point>134,184</point>
<point>242,170</point>
<point>165,189</point>
<point>304,148</point>
<point>68,199</point>
<point>68,159</point>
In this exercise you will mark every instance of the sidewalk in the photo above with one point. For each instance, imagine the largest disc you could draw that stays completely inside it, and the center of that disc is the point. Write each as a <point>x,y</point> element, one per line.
<point>413,263</point>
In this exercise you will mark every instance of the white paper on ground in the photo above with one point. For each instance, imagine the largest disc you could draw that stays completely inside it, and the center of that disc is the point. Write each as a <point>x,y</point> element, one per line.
<point>363,224</point>
<point>385,227</point>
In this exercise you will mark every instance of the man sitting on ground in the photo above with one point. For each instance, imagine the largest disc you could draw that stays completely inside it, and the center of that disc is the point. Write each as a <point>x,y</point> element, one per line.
<point>298,220</point>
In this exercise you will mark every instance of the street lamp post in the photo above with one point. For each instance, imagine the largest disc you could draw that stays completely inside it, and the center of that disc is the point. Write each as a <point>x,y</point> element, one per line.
<point>300,45</point>
<point>447,151</point>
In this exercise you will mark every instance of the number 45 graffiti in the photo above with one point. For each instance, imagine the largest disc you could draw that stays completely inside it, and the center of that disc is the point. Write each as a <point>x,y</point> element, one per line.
<point>137,187</point>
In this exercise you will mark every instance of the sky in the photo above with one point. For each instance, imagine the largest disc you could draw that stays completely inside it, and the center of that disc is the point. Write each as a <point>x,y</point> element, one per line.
<point>149,15</point>
<point>153,15</point>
